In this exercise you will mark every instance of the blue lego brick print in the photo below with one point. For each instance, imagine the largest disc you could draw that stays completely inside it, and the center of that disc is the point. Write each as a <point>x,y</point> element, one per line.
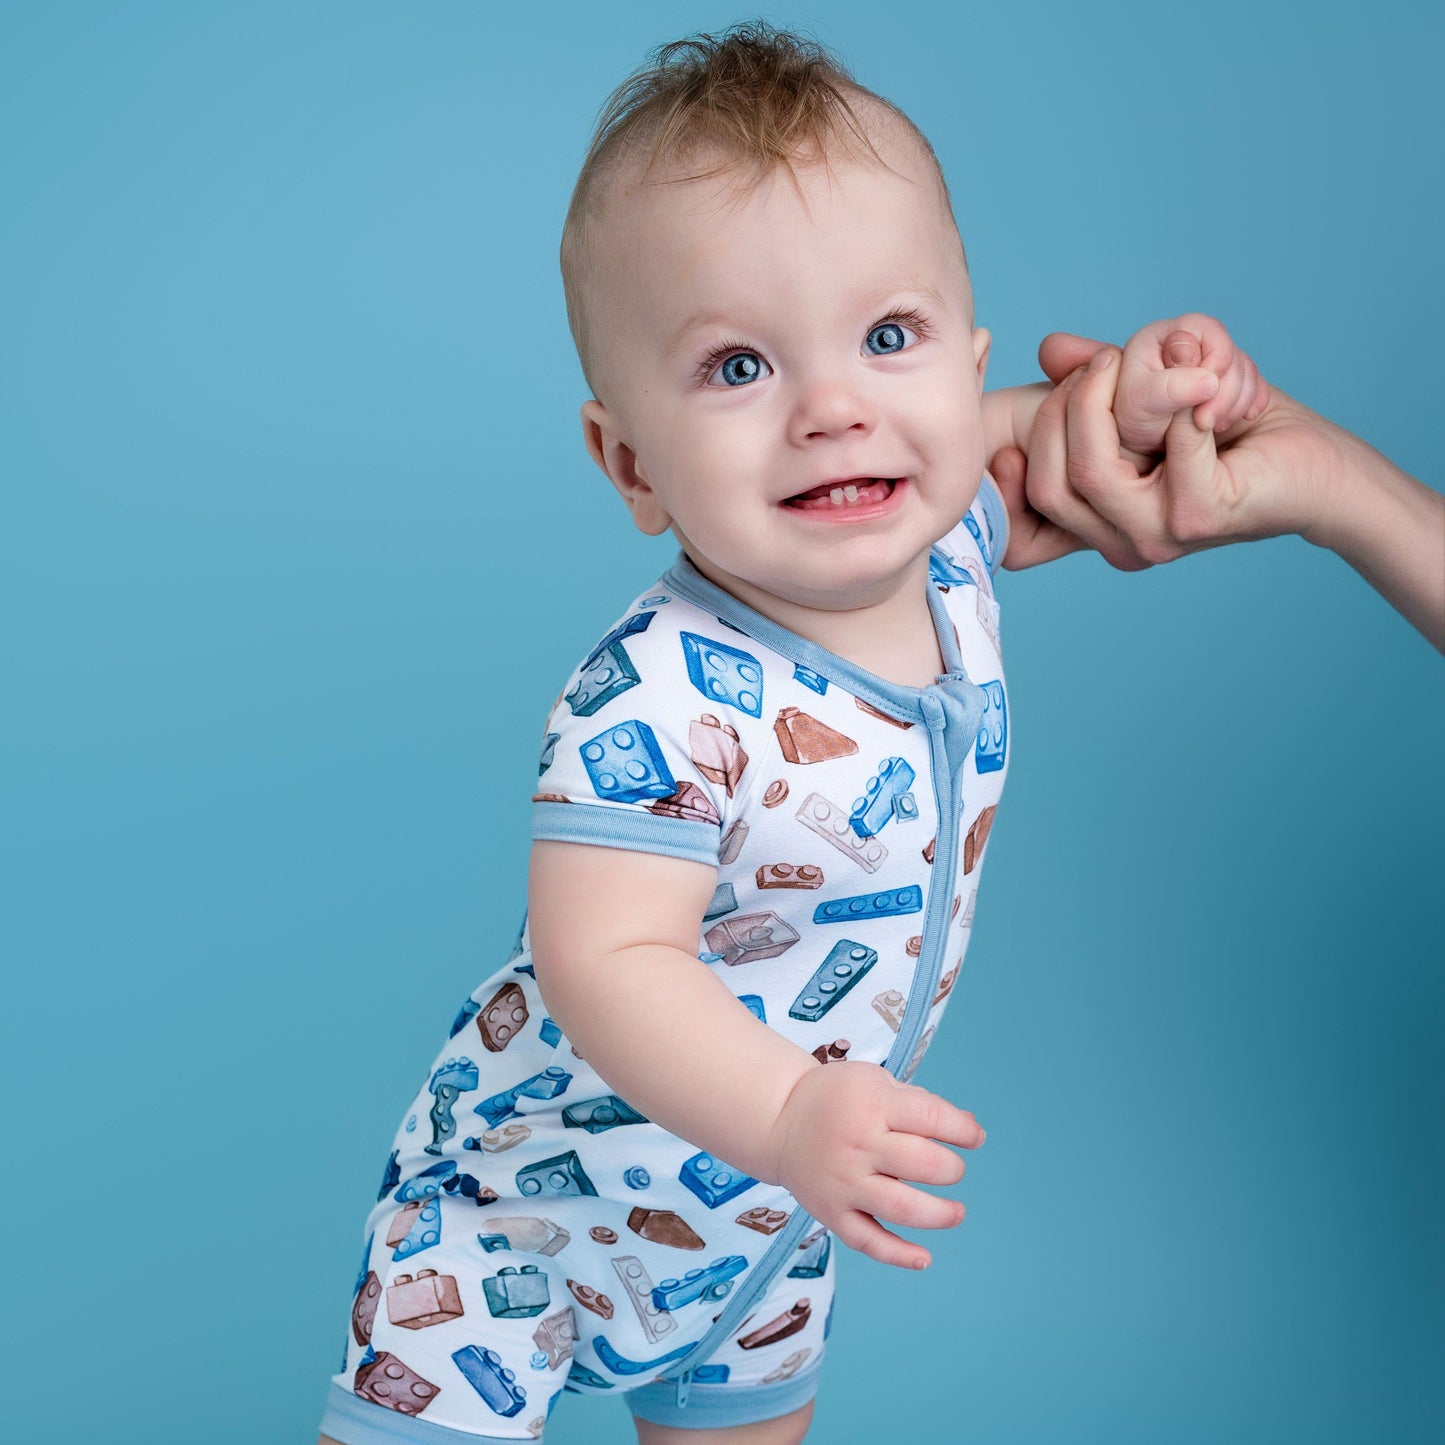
<point>626,764</point>
<point>365,1263</point>
<point>581,1375</point>
<point>551,1034</point>
<point>812,679</point>
<point>724,674</point>
<point>845,964</point>
<point>451,1080</point>
<point>637,1178</point>
<point>813,1256</point>
<point>870,905</point>
<point>429,1183</point>
<point>621,1365</point>
<point>559,1177</point>
<point>516,1295</point>
<point>483,1371</point>
<point>875,808</point>
<point>391,1176</point>
<point>905,807</point>
<point>713,1181</point>
<point>753,1002</point>
<point>711,1374</point>
<point>723,901</point>
<point>546,1085</point>
<point>992,745</point>
<point>628,627</point>
<point>468,1011</point>
<point>984,536</point>
<point>596,1116</point>
<point>945,572</point>
<point>425,1231</point>
<point>609,675</point>
<point>707,1285</point>
<point>549,751</point>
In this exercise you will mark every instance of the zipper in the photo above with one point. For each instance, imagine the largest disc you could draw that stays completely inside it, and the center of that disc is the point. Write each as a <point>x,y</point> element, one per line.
<point>954,707</point>
<point>952,710</point>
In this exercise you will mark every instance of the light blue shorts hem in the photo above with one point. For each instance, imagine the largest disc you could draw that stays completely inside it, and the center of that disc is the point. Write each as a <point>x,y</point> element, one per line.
<point>354,1421</point>
<point>710,1407</point>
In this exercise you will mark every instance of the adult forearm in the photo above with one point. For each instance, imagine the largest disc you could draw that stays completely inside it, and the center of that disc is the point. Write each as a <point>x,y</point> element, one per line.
<point>1391,529</point>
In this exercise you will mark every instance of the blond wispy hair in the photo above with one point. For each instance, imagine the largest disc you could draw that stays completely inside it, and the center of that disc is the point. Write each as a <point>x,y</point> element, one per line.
<point>751,101</point>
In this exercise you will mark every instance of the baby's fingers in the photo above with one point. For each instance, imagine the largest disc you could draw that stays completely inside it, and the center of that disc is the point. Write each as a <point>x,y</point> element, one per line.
<point>863,1233</point>
<point>916,1111</point>
<point>907,1156</point>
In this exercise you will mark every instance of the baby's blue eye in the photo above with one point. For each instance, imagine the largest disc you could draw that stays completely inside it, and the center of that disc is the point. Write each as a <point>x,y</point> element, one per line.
<point>887,338</point>
<point>740,368</point>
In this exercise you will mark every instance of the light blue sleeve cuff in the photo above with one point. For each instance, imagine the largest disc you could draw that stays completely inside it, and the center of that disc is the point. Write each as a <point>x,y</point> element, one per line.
<point>990,502</point>
<point>639,832</point>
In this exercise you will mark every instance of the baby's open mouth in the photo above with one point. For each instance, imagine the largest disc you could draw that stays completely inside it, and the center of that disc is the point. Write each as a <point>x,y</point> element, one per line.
<point>860,492</point>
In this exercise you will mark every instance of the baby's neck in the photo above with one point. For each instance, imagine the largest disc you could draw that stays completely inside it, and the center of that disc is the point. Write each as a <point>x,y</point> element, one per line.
<point>894,637</point>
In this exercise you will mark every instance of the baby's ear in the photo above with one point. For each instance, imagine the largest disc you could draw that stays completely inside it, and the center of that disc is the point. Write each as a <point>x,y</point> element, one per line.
<point>982,340</point>
<point>619,462</point>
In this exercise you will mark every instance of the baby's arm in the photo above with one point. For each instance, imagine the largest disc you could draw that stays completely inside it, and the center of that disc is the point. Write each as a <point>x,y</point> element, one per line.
<point>614,935</point>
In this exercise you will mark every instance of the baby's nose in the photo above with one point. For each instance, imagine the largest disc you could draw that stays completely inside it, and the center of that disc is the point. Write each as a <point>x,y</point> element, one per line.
<point>831,406</point>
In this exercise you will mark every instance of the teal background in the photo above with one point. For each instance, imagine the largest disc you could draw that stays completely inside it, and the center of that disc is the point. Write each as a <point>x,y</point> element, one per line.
<point>299,541</point>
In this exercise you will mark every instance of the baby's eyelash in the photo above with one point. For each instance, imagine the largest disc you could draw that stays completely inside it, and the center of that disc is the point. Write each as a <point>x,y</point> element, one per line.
<point>717,356</point>
<point>911,317</point>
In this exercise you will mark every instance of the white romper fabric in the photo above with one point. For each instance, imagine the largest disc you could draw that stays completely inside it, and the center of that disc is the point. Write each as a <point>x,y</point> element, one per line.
<point>534,1233</point>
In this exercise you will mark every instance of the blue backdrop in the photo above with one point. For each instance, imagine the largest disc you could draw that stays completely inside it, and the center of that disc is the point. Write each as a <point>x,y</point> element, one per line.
<point>294,497</point>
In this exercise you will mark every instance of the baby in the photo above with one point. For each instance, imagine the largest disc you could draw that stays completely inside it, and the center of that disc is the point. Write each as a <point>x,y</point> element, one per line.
<point>765,794</point>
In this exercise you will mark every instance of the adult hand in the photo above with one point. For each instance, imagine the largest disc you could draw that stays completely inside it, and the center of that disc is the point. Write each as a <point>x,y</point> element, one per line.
<point>1285,470</point>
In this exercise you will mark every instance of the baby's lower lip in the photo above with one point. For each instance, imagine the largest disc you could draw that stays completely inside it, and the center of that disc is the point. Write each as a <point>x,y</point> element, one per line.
<point>871,499</point>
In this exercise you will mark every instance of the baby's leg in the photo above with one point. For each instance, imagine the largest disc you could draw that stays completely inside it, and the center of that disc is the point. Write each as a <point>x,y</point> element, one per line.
<point>785,1430</point>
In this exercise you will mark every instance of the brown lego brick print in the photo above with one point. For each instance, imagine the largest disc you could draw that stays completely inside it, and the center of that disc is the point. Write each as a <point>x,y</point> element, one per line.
<point>881,716</point>
<point>556,1334</point>
<point>748,937</point>
<point>429,1299</point>
<point>786,1324</point>
<point>789,875</point>
<point>662,1226</point>
<point>716,752</point>
<point>591,1299</point>
<point>363,1311</point>
<point>777,793</point>
<point>946,983</point>
<point>914,946</point>
<point>689,803</point>
<point>602,1234</point>
<point>804,739</point>
<point>389,1381</point>
<point>550,798</point>
<point>832,1053</point>
<point>502,1018</point>
<point>763,1219</point>
<point>928,851</point>
<point>977,836</point>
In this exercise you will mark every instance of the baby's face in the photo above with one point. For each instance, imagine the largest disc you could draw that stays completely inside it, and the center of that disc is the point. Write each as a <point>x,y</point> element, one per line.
<point>792,382</point>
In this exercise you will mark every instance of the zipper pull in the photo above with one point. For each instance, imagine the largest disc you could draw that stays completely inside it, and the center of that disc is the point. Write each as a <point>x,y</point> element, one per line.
<point>684,1382</point>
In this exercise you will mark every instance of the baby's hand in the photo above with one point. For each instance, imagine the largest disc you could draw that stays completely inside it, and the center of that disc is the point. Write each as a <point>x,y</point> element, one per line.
<point>1190,361</point>
<point>847,1138</point>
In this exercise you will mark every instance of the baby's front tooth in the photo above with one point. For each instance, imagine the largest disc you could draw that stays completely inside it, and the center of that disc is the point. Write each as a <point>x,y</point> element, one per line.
<point>836,496</point>
<point>851,492</point>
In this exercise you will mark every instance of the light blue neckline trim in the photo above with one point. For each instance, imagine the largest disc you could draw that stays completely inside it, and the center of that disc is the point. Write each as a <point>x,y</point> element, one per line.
<point>896,699</point>
<point>625,828</point>
<point>995,509</point>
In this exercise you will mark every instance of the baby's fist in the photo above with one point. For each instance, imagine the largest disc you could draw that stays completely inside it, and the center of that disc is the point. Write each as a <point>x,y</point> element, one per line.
<point>1190,361</point>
